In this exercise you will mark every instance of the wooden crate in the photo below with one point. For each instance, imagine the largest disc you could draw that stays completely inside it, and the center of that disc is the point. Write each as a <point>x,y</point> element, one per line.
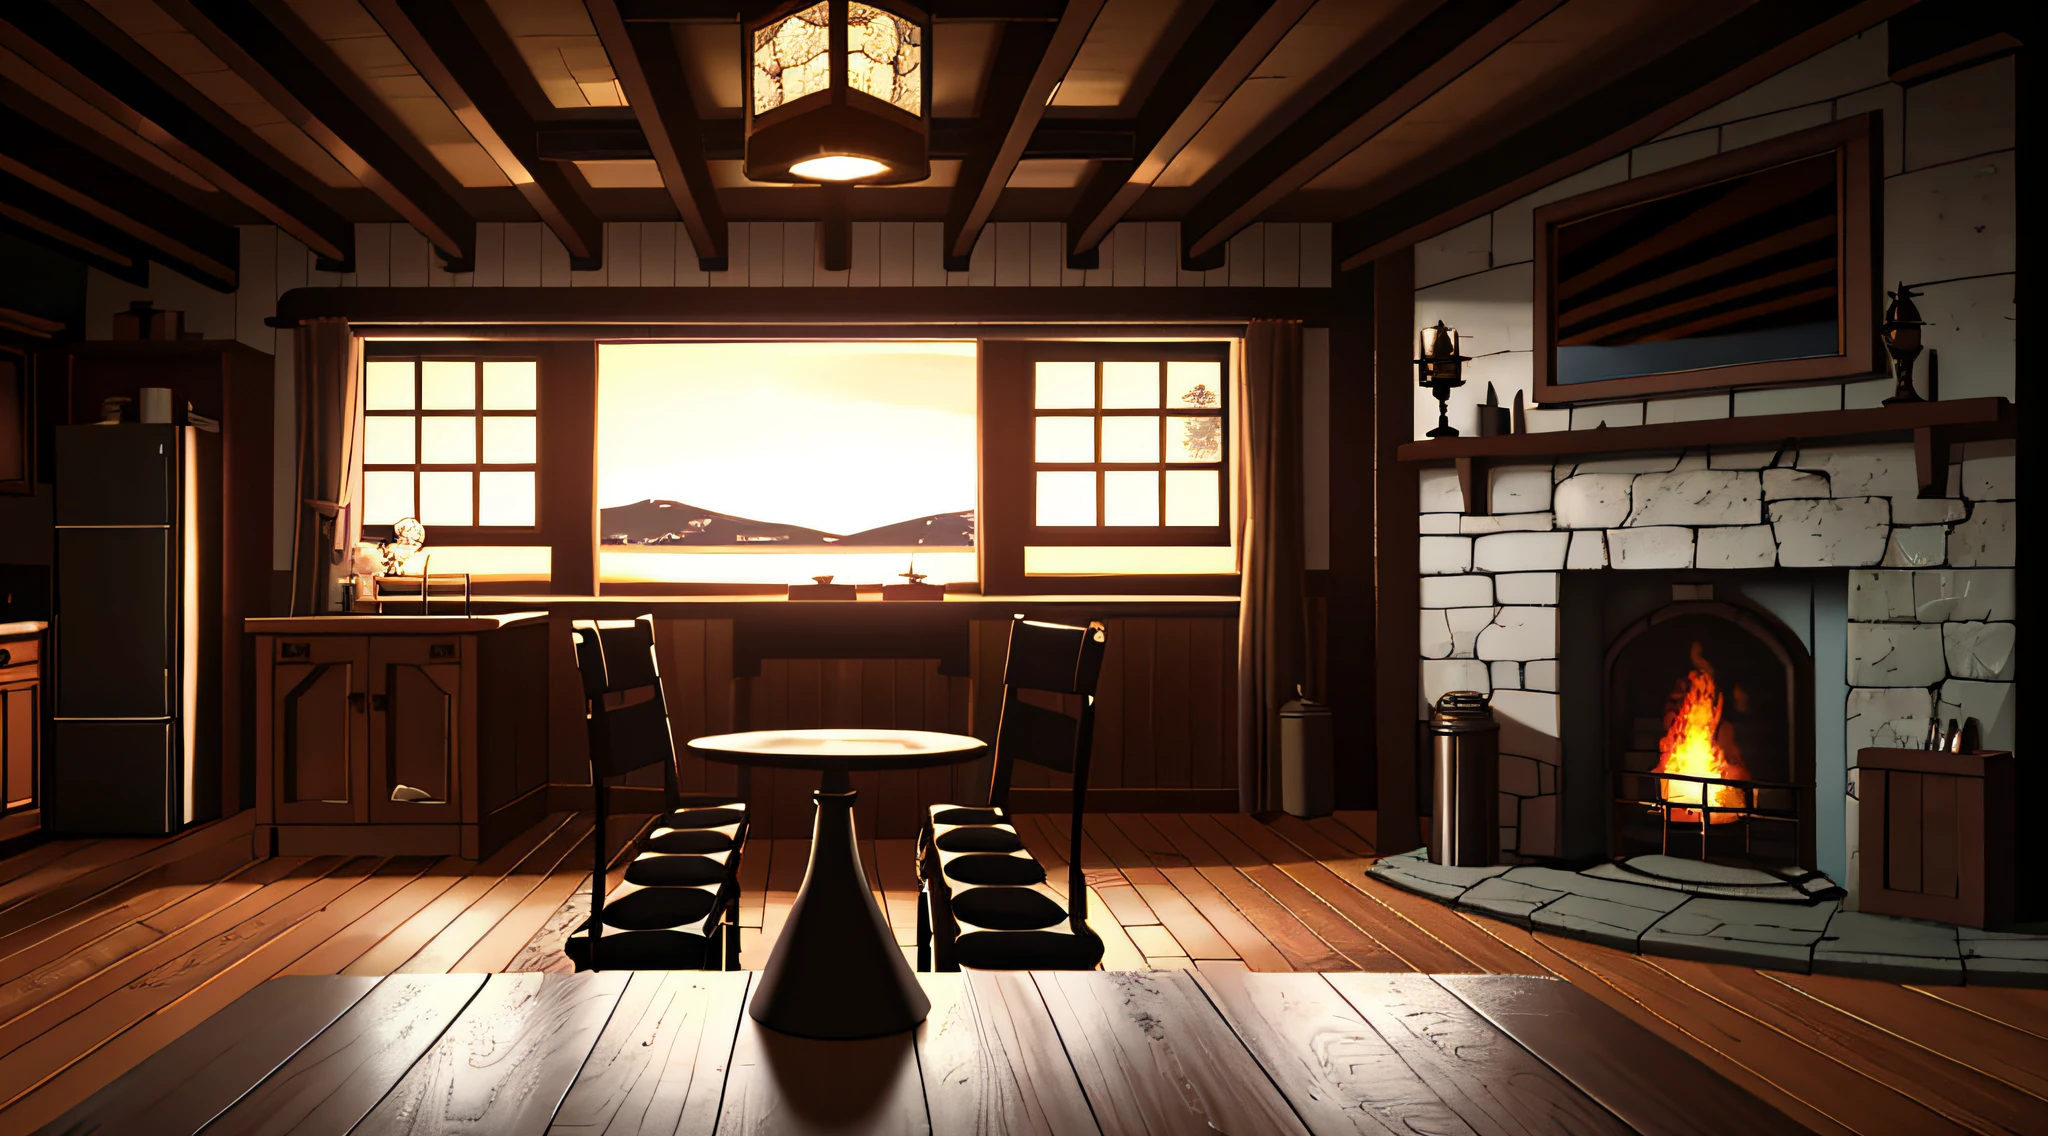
<point>1937,835</point>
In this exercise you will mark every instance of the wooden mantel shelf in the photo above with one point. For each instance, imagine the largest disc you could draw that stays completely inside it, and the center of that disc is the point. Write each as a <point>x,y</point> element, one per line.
<point>1933,426</point>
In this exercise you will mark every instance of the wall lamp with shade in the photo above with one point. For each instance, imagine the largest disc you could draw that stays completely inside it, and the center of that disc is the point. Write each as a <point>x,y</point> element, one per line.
<point>837,92</point>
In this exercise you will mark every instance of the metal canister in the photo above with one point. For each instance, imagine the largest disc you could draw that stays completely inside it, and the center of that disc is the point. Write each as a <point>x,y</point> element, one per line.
<point>1464,819</point>
<point>1306,772</point>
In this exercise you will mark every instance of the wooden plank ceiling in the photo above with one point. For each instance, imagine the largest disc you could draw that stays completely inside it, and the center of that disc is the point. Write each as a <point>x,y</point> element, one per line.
<point>145,130</point>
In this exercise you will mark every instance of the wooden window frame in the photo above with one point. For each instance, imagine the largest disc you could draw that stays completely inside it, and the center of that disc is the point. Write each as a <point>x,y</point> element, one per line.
<point>476,534</point>
<point>1858,147</point>
<point>565,426</point>
<point>1007,512</point>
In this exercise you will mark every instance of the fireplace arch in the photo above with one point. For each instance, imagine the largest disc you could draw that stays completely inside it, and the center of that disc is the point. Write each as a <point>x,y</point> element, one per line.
<point>1709,739</point>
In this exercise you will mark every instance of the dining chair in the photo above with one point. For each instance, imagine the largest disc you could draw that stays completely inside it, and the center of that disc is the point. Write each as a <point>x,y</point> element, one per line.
<point>677,907</point>
<point>983,900</point>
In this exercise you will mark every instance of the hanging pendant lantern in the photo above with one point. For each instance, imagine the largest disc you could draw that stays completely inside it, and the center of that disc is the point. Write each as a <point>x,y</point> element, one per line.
<point>837,91</point>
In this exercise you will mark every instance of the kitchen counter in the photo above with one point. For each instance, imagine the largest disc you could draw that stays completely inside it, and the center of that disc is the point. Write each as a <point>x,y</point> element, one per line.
<point>386,624</point>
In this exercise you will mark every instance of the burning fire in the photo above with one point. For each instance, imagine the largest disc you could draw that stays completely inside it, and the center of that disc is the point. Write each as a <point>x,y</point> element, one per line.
<point>1697,744</point>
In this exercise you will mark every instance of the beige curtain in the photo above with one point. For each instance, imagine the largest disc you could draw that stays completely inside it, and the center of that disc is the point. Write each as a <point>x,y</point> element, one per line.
<point>329,365</point>
<point>1272,616</point>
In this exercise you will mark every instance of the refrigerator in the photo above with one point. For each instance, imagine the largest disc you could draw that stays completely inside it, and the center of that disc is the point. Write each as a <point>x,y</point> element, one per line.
<point>135,723</point>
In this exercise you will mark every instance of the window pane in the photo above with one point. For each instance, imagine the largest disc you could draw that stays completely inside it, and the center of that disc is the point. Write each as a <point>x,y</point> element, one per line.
<point>1066,498</point>
<point>1130,439</point>
<point>447,386</point>
<point>1194,497</point>
<point>509,441</point>
<point>1194,438</point>
<point>447,441</point>
<point>445,500</point>
<point>1065,386</point>
<point>388,385</point>
<point>1130,386</point>
<point>506,499</point>
<point>1131,498</point>
<point>387,497</point>
<point>510,385</point>
<point>1066,439</point>
<point>387,439</point>
<point>1194,384</point>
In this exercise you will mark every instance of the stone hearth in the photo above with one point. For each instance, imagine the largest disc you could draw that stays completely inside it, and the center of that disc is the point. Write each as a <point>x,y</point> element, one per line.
<point>1927,630</point>
<point>1788,920</point>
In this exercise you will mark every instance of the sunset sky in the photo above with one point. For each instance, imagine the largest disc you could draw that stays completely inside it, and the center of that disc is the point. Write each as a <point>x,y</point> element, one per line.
<point>833,436</point>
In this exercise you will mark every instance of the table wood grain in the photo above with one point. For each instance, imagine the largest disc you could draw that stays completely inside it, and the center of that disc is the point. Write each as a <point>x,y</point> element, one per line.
<point>1003,1053</point>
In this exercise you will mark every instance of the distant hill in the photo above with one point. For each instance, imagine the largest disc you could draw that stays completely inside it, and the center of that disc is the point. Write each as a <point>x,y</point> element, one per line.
<point>675,522</point>
<point>938,530</point>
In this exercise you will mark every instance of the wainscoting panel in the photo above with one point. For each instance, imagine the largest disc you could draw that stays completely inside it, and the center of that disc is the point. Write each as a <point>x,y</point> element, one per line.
<point>1166,720</point>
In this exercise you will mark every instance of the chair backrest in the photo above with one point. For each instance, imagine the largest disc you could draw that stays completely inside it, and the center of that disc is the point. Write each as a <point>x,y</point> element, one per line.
<point>627,715</point>
<point>1055,659</point>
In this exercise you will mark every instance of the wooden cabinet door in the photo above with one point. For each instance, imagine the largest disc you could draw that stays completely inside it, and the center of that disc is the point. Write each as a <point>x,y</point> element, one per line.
<point>416,729</point>
<point>19,721</point>
<point>320,730</point>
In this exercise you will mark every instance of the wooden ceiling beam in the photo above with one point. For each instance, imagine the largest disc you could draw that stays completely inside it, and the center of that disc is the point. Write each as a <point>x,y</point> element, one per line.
<point>88,185</point>
<point>728,11</point>
<point>1419,51</point>
<point>650,70</point>
<point>1030,61</point>
<point>595,139</point>
<point>1657,95</point>
<point>271,50</point>
<point>466,56</point>
<point>60,226</point>
<point>1218,56</point>
<point>85,53</point>
<point>93,250</point>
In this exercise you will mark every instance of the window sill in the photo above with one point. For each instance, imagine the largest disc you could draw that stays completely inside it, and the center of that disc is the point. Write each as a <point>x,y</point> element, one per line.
<point>955,606</point>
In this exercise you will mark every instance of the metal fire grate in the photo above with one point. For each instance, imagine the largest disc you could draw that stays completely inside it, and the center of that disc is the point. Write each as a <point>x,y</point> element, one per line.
<point>1766,803</point>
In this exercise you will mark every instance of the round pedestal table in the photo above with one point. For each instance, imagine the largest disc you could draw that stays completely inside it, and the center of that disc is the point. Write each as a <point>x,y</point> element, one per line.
<point>836,971</point>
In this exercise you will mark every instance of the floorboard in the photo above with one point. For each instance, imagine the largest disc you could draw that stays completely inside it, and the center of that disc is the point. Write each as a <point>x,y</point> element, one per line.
<point>992,1060</point>
<point>659,1066</point>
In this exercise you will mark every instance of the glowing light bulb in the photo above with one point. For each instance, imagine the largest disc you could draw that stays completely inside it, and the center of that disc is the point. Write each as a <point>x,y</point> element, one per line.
<point>838,167</point>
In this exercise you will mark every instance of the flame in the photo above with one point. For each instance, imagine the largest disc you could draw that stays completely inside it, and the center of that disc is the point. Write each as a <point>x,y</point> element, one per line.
<point>1696,744</point>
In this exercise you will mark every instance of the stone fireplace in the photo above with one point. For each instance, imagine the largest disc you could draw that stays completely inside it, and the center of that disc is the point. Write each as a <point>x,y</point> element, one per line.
<point>1864,610</point>
<point>1706,712</point>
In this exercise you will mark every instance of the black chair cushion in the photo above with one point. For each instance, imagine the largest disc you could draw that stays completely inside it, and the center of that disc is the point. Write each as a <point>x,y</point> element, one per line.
<point>1027,950</point>
<point>956,814</point>
<point>635,907</point>
<point>687,817</point>
<point>698,840</point>
<point>1007,908</point>
<point>678,869</point>
<point>979,838</point>
<point>993,868</point>
<point>643,950</point>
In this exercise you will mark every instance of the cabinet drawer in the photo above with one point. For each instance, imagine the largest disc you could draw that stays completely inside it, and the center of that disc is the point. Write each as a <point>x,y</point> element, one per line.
<point>15,652</point>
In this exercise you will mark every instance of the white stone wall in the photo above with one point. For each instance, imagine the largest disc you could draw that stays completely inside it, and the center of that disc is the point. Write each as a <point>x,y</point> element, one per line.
<point>1931,607</point>
<point>1949,211</point>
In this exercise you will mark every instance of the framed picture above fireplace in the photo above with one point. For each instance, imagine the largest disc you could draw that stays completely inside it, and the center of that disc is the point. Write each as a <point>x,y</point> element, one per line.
<point>1757,267</point>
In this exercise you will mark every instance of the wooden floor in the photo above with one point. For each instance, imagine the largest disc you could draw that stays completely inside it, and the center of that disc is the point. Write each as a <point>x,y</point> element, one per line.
<point>110,949</point>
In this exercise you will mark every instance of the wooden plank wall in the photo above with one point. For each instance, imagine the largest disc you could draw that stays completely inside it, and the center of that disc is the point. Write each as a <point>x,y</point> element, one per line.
<point>1166,720</point>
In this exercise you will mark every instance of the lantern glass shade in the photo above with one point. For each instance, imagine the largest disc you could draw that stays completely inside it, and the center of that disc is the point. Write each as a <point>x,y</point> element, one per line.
<point>836,92</point>
<point>885,57</point>
<point>792,58</point>
<point>1439,342</point>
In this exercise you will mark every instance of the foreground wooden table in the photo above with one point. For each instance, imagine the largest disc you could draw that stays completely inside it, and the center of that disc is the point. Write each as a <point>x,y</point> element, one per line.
<point>1080,1052</point>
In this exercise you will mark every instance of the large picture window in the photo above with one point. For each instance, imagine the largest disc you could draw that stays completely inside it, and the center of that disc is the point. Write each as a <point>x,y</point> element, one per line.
<point>774,463</point>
